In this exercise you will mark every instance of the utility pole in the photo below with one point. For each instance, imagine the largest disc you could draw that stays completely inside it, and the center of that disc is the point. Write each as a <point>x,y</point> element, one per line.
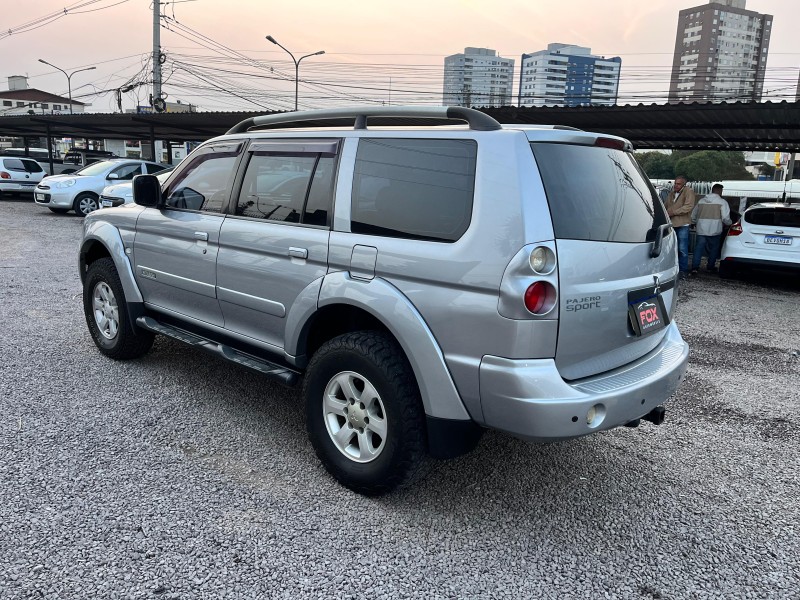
<point>156,54</point>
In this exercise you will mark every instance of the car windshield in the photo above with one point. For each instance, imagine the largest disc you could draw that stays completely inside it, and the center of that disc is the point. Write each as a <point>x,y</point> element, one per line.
<point>93,169</point>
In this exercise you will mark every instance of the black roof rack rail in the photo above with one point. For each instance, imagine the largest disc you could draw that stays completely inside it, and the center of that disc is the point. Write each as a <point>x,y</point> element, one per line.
<point>475,119</point>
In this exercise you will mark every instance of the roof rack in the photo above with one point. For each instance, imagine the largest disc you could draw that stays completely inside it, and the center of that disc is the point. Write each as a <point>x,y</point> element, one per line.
<point>475,119</point>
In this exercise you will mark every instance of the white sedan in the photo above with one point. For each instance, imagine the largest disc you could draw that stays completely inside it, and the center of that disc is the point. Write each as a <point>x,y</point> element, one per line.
<point>767,236</point>
<point>80,191</point>
<point>122,193</point>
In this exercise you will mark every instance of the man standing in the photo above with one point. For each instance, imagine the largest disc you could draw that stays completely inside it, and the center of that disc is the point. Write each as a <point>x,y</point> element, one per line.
<point>710,214</point>
<point>679,205</point>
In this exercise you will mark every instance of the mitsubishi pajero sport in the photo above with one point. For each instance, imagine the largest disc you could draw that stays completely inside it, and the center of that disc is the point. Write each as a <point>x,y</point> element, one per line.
<point>422,280</point>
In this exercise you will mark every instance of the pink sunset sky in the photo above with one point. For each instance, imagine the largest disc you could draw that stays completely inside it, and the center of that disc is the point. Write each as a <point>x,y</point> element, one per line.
<point>375,51</point>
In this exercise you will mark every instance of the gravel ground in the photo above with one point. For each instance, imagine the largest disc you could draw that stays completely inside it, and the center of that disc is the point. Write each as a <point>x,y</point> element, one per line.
<point>180,476</point>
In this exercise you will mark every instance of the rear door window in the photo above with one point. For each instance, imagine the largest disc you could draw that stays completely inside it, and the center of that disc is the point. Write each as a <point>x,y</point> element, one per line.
<point>414,188</point>
<point>597,194</point>
<point>773,217</point>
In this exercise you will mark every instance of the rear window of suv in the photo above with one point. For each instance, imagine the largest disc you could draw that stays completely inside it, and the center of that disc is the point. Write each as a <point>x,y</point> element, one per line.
<point>597,194</point>
<point>773,217</point>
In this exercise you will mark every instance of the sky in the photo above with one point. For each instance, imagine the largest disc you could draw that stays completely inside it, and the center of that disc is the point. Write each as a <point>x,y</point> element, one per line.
<point>376,51</point>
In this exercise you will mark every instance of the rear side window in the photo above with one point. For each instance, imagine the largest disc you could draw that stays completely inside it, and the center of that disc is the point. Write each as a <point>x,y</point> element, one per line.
<point>414,188</point>
<point>31,166</point>
<point>597,194</point>
<point>773,217</point>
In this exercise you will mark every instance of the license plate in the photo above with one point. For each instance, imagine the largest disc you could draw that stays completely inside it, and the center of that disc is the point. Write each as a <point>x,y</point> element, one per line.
<point>107,203</point>
<point>646,311</point>
<point>778,239</point>
<point>39,197</point>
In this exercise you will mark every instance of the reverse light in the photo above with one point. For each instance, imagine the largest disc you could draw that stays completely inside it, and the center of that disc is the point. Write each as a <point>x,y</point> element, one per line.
<point>540,298</point>
<point>4,175</point>
<point>542,260</point>
<point>735,229</point>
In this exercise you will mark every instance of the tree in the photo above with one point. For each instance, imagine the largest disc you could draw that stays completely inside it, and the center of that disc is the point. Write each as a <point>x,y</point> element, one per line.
<point>656,165</point>
<point>708,165</point>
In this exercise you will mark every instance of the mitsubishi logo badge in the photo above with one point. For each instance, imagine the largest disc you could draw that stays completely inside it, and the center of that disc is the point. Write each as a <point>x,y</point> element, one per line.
<point>657,283</point>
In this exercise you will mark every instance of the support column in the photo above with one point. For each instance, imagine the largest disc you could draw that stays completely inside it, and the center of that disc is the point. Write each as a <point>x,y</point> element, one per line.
<point>153,143</point>
<point>50,149</point>
<point>169,152</point>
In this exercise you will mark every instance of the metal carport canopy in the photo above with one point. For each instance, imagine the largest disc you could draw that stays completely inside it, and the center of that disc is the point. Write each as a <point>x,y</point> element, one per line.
<point>772,126</point>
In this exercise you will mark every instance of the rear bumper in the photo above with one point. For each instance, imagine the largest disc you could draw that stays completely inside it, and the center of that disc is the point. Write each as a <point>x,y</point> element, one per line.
<point>762,263</point>
<point>529,399</point>
<point>17,187</point>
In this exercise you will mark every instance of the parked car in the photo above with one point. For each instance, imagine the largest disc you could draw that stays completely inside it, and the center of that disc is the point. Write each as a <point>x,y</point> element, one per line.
<point>19,175</point>
<point>80,191</point>
<point>81,157</point>
<point>766,236</point>
<point>423,283</point>
<point>118,194</point>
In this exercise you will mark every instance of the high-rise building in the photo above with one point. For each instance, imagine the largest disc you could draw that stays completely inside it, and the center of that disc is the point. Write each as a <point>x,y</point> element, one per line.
<point>720,53</point>
<point>478,77</point>
<point>568,75</point>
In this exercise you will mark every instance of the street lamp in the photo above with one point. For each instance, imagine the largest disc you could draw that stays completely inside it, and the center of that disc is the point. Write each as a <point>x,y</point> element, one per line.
<point>296,65</point>
<point>69,77</point>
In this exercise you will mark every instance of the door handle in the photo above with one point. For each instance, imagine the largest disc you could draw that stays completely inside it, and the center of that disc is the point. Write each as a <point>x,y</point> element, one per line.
<point>201,235</point>
<point>298,252</point>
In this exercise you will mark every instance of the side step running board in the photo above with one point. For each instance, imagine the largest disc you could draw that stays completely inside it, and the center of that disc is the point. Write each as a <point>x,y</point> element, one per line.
<point>275,371</point>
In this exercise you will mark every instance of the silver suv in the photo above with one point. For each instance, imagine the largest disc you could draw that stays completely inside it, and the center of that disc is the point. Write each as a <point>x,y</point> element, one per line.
<point>422,282</point>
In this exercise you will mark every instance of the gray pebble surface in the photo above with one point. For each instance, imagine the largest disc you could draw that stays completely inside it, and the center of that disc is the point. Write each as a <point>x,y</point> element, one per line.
<point>180,476</point>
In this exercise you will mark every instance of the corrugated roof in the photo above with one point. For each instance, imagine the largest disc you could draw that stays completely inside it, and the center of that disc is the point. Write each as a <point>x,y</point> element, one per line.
<point>733,126</point>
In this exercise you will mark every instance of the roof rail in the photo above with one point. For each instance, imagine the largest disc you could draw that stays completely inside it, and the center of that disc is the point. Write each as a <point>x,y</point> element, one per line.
<point>477,120</point>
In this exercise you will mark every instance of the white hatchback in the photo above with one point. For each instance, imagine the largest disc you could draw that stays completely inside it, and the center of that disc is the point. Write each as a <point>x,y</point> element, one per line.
<point>80,191</point>
<point>767,236</point>
<point>19,175</point>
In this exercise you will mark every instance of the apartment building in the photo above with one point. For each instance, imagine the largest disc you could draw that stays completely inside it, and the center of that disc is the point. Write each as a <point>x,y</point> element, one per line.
<point>568,75</point>
<point>478,77</point>
<point>720,53</point>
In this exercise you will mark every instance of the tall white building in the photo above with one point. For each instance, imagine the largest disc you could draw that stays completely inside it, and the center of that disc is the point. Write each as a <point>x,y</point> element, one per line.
<point>720,53</point>
<point>568,75</point>
<point>478,78</point>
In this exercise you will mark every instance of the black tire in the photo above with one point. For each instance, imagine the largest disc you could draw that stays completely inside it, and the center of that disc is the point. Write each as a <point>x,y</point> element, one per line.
<point>85,203</point>
<point>59,211</point>
<point>124,341</point>
<point>380,361</point>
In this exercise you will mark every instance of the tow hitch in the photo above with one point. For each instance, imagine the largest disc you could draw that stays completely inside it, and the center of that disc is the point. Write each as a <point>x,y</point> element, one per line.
<point>656,416</point>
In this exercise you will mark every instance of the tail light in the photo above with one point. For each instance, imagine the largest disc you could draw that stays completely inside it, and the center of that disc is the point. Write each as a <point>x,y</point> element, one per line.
<point>540,298</point>
<point>604,142</point>
<point>4,175</point>
<point>735,229</point>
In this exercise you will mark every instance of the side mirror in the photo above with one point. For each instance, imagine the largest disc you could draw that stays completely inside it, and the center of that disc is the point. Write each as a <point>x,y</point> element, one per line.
<point>112,176</point>
<point>147,191</point>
